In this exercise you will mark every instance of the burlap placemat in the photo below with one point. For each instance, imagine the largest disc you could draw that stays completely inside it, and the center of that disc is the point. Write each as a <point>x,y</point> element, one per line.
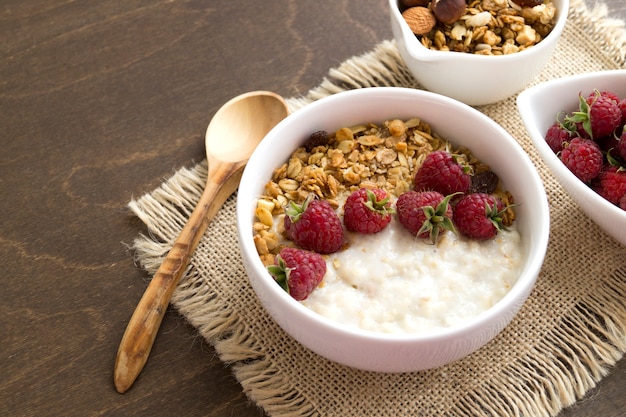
<point>565,339</point>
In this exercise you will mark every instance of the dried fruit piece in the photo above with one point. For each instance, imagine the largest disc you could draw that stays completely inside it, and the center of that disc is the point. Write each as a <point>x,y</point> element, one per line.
<point>528,3</point>
<point>484,182</point>
<point>319,138</point>
<point>412,3</point>
<point>420,19</point>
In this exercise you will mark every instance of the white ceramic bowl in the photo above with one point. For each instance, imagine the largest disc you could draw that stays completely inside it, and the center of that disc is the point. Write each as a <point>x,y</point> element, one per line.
<point>453,120</point>
<point>539,106</point>
<point>474,79</point>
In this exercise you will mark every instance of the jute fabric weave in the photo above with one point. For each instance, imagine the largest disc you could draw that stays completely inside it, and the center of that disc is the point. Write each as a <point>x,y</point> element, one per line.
<point>564,340</point>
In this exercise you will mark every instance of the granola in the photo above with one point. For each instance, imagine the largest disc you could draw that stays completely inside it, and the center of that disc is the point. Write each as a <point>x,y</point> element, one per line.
<point>384,155</point>
<point>493,27</point>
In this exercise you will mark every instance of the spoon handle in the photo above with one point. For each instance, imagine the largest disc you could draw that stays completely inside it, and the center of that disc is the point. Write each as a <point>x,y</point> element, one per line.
<point>144,324</point>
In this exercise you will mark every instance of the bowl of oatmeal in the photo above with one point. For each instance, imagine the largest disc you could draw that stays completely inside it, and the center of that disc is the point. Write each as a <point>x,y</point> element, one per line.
<point>391,301</point>
<point>541,105</point>
<point>488,54</point>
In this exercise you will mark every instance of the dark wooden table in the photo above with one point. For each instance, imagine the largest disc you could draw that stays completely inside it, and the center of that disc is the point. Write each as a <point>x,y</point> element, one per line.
<point>100,102</point>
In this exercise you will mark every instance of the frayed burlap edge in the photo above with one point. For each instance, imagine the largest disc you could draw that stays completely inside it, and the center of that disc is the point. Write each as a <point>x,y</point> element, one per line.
<point>582,365</point>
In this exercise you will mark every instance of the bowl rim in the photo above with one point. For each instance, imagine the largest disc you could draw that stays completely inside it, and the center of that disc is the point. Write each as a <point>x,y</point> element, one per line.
<point>519,291</point>
<point>419,52</point>
<point>526,104</point>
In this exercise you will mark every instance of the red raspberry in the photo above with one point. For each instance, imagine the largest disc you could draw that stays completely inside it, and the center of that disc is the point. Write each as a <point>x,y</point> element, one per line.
<point>298,271</point>
<point>583,157</point>
<point>425,213</point>
<point>367,211</point>
<point>582,132</point>
<point>599,115</point>
<point>622,107</point>
<point>442,173</point>
<point>622,202</point>
<point>557,135</point>
<point>620,147</point>
<point>611,184</point>
<point>607,143</point>
<point>314,226</point>
<point>479,216</point>
<point>607,94</point>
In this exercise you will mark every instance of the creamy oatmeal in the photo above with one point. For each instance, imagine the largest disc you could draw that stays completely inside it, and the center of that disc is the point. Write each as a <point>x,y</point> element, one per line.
<point>392,282</point>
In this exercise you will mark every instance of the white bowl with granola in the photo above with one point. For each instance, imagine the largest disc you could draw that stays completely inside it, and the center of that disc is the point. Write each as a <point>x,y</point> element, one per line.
<point>490,53</point>
<point>391,301</point>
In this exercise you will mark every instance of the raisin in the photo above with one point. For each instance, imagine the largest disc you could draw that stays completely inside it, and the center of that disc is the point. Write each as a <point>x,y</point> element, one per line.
<point>484,182</point>
<point>405,4</point>
<point>319,138</point>
<point>528,3</point>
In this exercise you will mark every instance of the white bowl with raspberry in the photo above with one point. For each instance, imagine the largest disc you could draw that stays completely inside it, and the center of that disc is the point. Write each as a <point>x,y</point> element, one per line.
<point>461,125</point>
<point>539,107</point>
<point>473,78</point>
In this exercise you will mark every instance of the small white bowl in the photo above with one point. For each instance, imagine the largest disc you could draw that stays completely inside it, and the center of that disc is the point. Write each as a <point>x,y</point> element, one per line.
<point>474,79</point>
<point>461,124</point>
<point>539,106</point>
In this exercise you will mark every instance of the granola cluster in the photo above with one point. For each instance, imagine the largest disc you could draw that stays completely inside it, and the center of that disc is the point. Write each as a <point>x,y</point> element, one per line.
<point>384,155</point>
<point>493,27</point>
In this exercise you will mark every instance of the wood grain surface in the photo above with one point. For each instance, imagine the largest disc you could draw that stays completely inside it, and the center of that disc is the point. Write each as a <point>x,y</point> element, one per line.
<point>100,102</point>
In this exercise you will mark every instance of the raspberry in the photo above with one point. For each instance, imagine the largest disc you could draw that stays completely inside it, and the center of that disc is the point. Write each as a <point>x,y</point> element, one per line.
<point>622,202</point>
<point>608,94</point>
<point>442,173</point>
<point>556,136</point>
<point>425,214</point>
<point>607,143</point>
<point>367,211</point>
<point>314,226</point>
<point>620,147</point>
<point>599,115</point>
<point>298,271</point>
<point>622,107</point>
<point>479,216</point>
<point>583,157</point>
<point>611,184</point>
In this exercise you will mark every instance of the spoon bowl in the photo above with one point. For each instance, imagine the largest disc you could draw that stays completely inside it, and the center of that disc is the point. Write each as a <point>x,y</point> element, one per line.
<point>231,137</point>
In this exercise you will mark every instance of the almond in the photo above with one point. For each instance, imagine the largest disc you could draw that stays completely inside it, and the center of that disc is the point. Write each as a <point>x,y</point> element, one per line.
<point>420,19</point>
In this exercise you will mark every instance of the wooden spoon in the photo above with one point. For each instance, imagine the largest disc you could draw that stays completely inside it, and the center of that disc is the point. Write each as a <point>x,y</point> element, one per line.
<point>232,135</point>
